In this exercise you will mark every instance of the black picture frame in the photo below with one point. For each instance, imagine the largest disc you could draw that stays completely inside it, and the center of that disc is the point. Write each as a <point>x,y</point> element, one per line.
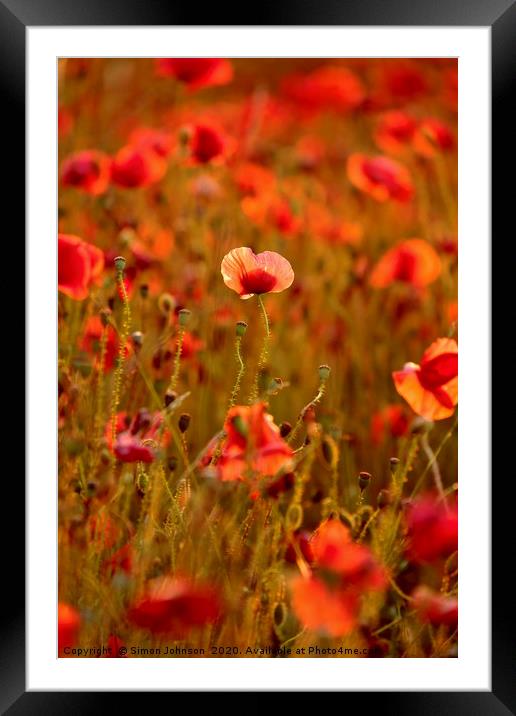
<point>500,16</point>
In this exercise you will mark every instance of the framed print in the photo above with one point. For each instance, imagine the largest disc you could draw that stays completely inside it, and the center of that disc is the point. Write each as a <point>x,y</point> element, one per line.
<point>255,459</point>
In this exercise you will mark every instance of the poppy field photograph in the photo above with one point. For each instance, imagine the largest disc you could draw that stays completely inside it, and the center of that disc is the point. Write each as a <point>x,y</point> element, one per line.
<point>257,358</point>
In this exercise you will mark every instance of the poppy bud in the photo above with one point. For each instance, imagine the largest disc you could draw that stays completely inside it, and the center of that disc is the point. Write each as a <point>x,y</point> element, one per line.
<point>241,328</point>
<point>137,339</point>
<point>383,499</point>
<point>184,316</point>
<point>285,429</point>
<point>324,373</point>
<point>170,396</point>
<point>394,462</point>
<point>364,480</point>
<point>172,463</point>
<point>294,517</point>
<point>120,264</point>
<point>166,303</point>
<point>184,422</point>
<point>144,290</point>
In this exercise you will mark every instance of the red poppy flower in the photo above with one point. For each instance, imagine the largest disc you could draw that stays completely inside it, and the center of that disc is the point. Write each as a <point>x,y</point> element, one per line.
<point>435,608</point>
<point>196,72</point>
<point>253,443</point>
<point>174,606</point>
<point>431,388</point>
<point>390,421</point>
<point>380,177</point>
<point>91,337</point>
<point>132,433</point>
<point>129,448</point>
<point>88,170</point>
<point>413,261</point>
<point>79,264</point>
<point>395,131</point>
<point>136,166</point>
<point>329,87</point>
<point>405,81</point>
<point>68,625</point>
<point>433,136</point>
<point>248,273</point>
<point>156,140</point>
<point>206,144</point>
<point>332,612</point>
<point>432,529</point>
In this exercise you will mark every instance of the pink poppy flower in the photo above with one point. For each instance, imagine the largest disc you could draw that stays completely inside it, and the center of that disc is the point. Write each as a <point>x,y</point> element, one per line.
<point>248,273</point>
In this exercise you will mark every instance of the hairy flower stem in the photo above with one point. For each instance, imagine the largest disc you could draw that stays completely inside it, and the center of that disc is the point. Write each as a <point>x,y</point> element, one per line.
<point>177,359</point>
<point>241,370</point>
<point>262,360</point>
<point>301,416</point>
<point>434,467</point>
<point>122,346</point>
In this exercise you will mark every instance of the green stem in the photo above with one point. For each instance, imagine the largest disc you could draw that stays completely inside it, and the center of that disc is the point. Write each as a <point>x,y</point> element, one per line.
<point>264,352</point>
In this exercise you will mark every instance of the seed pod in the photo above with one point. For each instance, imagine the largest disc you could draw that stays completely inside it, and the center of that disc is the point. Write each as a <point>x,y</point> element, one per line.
<point>241,328</point>
<point>394,462</point>
<point>294,517</point>
<point>364,480</point>
<point>324,373</point>
<point>285,429</point>
<point>172,463</point>
<point>383,499</point>
<point>184,422</point>
<point>137,339</point>
<point>144,290</point>
<point>119,264</point>
<point>184,316</point>
<point>170,396</point>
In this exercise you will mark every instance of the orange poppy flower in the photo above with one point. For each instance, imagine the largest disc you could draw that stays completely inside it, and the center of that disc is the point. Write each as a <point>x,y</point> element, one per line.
<point>174,606</point>
<point>196,72</point>
<point>395,131</point>
<point>88,170</point>
<point>79,264</point>
<point>326,88</point>
<point>248,273</point>
<point>413,261</point>
<point>136,166</point>
<point>254,179</point>
<point>271,210</point>
<point>68,625</point>
<point>431,137</point>
<point>380,177</point>
<point>431,388</point>
<point>253,443</point>
<point>333,612</point>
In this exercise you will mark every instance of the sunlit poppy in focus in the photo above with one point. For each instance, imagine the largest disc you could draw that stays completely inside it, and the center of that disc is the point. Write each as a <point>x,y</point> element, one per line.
<point>174,606</point>
<point>79,265</point>
<point>395,131</point>
<point>391,421</point>
<point>68,626</point>
<point>432,529</point>
<point>253,444</point>
<point>196,72</point>
<point>248,273</point>
<point>433,136</point>
<point>88,170</point>
<point>413,261</point>
<point>435,608</point>
<point>135,166</point>
<point>431,388</point>
<point>380,177</point>
<point>326,88</point>
<point>319,608</point>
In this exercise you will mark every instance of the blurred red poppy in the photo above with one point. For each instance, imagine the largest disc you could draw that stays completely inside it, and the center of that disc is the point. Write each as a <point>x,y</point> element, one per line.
<point>391,421</point>
<point>394,131</point>
<point>431,388</point>
<point>431,137</point>
<point>91,337</point>
<point>248,273</point>
<point>129,448</point>
<point>88,170</point>
<point>79,264</point>
<point>432,529</point>
<point>380,177</point>
<point>206,144</point>
<point>254,179</point>
<point>435,608</point>
<point>326,88</point>
<point>332,612</point>
<point>174,606</point>
<point>413,261</point>
<point>136,166</point>
<point>68,626</point>
<point>196,72</point>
